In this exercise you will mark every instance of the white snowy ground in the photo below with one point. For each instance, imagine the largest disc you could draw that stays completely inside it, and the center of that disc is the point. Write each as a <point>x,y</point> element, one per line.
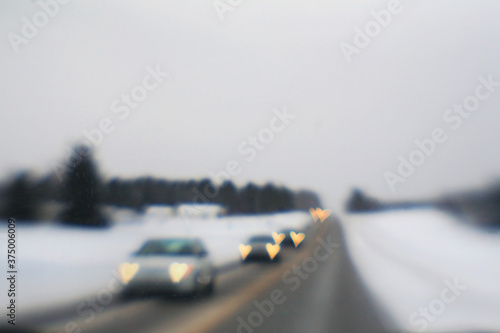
<point>58,264</point>
<point>404,258</point>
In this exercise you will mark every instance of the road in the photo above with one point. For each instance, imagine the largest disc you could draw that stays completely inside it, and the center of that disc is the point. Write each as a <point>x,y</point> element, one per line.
<point>313,289</point>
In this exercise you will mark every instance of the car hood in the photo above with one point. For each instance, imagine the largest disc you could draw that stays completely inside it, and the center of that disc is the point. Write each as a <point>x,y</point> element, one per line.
<point>146,262</point>
<point>261,246</point>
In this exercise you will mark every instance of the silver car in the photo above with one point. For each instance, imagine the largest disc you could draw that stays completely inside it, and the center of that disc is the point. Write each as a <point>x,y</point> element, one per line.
<point>172,265</point>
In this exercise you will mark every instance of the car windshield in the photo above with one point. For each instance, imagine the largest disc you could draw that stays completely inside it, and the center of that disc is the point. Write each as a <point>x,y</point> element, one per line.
<point>170,247</point>
<point>261,239</point>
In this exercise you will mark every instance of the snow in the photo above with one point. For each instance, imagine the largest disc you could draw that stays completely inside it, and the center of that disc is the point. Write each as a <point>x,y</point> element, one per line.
<point>60,264</point>
<point>405,258</point>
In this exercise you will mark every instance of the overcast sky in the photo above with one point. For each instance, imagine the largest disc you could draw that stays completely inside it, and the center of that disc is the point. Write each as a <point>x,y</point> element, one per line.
<point>227,78</point>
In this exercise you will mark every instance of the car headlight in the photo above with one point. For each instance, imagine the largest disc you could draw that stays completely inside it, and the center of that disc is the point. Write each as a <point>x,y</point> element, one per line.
<point>178,271</point>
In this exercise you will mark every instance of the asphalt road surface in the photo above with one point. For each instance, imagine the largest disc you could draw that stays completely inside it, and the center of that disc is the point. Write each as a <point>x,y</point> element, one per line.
<point>313,289</point>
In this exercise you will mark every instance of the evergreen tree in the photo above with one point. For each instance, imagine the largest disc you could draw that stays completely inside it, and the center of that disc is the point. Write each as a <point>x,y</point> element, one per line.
<point>285,200</point>
<point>269,198</point>
<point>304,200</point>
<point>82,189</point>
<point>360,202</point>
<point>22,202</point>
<point>206,191</point>
<point>228,197</point>
<point>250,203</point>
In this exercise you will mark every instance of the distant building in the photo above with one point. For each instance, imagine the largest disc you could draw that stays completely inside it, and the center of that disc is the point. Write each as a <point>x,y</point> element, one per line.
<point>200,211</point>
<point>160,210</point>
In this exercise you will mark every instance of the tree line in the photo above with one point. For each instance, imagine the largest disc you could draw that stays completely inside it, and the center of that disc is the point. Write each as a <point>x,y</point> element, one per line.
<point>83,193</point>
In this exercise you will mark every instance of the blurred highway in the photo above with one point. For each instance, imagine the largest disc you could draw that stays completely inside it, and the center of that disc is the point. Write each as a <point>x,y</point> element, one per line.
<point>328,299</point>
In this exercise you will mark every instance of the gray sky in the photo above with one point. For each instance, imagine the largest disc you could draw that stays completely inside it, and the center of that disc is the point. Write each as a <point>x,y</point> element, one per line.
<point>352,120</point>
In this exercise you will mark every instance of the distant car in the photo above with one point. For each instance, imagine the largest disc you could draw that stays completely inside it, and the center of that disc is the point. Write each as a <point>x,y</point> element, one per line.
<point>259,250</point>
<point>288,241</point>
<point>175,265</point>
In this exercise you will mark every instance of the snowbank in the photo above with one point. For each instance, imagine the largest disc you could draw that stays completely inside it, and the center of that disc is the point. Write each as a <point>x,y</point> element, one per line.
<point>409,258</point>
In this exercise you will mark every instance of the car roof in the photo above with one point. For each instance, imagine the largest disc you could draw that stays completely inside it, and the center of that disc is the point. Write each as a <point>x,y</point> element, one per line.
<point>171,246</point>
<point>185,240</point>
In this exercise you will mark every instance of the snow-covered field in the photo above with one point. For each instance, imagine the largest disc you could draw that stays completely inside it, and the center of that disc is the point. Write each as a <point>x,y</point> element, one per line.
<point>58,264</point>
<point>411,260</point>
